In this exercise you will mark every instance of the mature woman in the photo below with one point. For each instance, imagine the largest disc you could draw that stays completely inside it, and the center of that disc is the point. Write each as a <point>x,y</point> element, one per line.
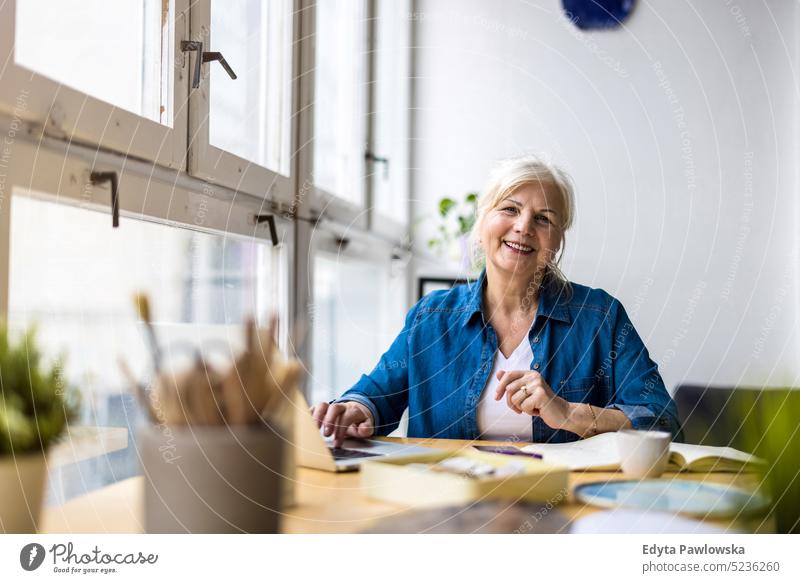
<point>521,354</point>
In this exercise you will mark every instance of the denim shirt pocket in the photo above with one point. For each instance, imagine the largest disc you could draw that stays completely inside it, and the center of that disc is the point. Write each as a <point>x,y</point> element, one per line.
<point>592,390</point>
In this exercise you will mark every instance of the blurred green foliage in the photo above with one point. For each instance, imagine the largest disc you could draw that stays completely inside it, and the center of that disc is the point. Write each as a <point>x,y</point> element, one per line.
<point>35,402</point>
<point>771,430</point>
<point>456,219</point>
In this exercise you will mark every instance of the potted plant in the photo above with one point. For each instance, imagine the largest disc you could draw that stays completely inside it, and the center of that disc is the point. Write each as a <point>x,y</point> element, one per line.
<point>456,219</point>
<point>35,408</point>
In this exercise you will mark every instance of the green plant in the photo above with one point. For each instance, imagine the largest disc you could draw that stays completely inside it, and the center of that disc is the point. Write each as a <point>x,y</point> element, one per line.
<point>771,431</point>
<point>35,402</point>
<point>456,219</point>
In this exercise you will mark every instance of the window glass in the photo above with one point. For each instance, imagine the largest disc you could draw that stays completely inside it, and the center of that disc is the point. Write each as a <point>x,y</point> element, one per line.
<point>250,116</point>
<point>390,117</point>
<point>340,91</point>
<point>358,310</point>
<point>75,277</point>
<point>120,52</point>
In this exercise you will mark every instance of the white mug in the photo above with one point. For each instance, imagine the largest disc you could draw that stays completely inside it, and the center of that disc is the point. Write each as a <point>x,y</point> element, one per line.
<point>643,454</point>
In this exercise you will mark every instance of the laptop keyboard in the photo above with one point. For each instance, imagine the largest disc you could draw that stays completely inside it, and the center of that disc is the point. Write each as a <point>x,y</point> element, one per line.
<point>340,453</point>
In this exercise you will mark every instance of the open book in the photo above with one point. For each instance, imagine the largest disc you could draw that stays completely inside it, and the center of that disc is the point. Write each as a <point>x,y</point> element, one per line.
<point>600,453</point>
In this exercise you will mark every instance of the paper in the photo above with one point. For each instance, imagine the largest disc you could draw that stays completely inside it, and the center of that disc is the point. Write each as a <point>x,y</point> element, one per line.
<point>600,453</point>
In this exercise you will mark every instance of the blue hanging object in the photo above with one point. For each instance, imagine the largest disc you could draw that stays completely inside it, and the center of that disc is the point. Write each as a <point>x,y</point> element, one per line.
<point>594,14</point>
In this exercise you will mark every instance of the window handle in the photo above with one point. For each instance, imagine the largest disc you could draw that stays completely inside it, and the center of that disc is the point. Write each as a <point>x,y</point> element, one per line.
<point>205,57</point>
<point>273,231</point>
<point>217,56</point>
<point>370,157</point>
<point>97,178</point>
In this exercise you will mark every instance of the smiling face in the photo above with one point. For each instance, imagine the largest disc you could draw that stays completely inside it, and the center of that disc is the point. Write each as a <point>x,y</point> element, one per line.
<point>523,231</point>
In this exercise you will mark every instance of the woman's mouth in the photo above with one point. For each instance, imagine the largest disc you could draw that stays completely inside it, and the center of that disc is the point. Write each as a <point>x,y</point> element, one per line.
<point>518,248</point>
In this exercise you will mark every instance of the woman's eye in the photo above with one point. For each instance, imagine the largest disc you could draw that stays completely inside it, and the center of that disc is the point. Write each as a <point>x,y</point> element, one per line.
<point>510,209</point>
<point>542,219</point>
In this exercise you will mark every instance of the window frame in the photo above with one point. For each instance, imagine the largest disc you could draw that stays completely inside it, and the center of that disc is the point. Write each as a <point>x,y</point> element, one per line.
<point>380,221</point>
<point>317,209</point>
<point>215,165</point>
<point>320,201</point>
<point>332,238</point>
<point>163,188</point>
<point>58,110</point>
<point>51,169</point>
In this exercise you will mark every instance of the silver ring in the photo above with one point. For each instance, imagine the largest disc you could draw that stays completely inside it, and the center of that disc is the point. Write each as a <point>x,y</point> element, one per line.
<point>524,390</point>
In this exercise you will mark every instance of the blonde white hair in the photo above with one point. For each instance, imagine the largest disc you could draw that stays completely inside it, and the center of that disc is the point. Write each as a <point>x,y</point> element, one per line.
<point>510,175</point>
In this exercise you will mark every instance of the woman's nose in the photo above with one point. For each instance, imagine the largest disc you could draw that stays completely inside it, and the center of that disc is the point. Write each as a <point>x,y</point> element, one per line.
<point>523,226</point>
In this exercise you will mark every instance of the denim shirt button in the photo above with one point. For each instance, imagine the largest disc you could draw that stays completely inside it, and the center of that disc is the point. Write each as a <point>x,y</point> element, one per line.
<point>536,366</point>
<point>536,339</point>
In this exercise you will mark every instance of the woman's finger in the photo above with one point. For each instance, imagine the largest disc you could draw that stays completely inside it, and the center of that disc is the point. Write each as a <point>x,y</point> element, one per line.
<point>514,387</point>
<point>529,376</point>
<point>542,398</point>
<point>507,378</point>
<point>318,413</point>
<point>365,429</point>
<point>520,395</point>
<point>331,419</point>
<point>361,430</point>
<point>531,405</point>
<point>512,390</point>
<point>515,395</point>
<point>352,415</point>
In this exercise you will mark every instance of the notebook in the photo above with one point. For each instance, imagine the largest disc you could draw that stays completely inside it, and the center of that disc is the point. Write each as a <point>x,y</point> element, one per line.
<point>599,453</point>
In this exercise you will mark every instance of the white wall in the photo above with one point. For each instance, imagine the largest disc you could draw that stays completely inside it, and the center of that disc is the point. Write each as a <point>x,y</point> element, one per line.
<point>681,133</point>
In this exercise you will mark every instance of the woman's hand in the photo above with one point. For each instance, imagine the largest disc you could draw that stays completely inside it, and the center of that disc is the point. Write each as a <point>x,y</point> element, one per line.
<point>527,392</point>
<point>346,419</point>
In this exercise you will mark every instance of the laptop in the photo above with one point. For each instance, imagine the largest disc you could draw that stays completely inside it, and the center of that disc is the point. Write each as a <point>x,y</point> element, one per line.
<point>312,450</point>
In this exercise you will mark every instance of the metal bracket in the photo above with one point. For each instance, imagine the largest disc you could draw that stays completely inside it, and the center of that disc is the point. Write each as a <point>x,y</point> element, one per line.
<point>370,157</point>
<point>197,46</point>
<point>97,178</point>
<point>273,230</point>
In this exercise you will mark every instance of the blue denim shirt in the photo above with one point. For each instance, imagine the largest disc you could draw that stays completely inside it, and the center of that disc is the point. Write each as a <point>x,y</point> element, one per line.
<point>584,346</point>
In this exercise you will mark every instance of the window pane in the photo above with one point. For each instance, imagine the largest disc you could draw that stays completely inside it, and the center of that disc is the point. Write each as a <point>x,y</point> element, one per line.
<point>250,116</point>
<point>391,110</point>
<point>120,52</point>
<point>359,308</point>
<point>340,89</point>
<point>75,276</point>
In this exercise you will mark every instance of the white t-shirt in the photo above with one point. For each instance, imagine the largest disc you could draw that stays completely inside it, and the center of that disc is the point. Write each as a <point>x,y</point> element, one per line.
<point>495,419</point>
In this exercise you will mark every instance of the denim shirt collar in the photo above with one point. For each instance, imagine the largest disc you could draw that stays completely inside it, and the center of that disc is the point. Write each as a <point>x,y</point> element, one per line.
<point>552,301</point>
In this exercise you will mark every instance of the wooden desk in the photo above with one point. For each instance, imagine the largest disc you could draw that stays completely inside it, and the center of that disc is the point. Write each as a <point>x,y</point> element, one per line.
<point>327,502</point>
<point>84,442</point>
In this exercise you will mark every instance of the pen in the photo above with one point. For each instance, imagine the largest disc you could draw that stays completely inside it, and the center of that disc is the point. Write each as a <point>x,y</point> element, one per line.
<point>506,451</point>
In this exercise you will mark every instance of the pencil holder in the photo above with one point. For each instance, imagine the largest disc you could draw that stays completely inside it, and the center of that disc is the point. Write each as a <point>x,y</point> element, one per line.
<point>212,479</point>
